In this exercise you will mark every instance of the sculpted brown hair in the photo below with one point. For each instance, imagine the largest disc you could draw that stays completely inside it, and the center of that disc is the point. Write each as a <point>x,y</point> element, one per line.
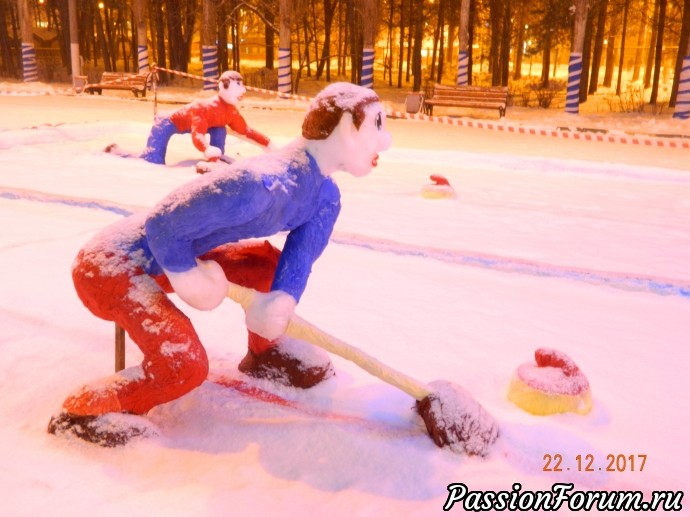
<point>326,113</point>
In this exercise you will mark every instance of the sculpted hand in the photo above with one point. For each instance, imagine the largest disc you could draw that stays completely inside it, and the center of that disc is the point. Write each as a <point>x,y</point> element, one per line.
<point>269,314</point>
<point>212,153</point>
<point>203,287</point>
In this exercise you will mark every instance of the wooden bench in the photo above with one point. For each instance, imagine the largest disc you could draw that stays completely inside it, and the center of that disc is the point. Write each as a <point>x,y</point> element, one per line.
<point>466,97</point>
<point>136,83</point>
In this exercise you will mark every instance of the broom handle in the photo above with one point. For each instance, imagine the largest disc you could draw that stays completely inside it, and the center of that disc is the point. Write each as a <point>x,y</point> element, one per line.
<point>302,329</point>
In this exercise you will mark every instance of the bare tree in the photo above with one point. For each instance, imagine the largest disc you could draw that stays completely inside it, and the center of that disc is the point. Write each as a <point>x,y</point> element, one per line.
<point>659,47</point>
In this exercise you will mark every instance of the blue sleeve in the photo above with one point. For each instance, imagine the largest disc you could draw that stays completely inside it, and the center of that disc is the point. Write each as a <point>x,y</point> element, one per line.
<point>305,243</point>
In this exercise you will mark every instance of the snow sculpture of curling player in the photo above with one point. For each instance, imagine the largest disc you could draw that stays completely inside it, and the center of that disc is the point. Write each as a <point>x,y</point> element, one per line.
<point>202,117</point>
<point>196,239</point>
<point>197,242</point>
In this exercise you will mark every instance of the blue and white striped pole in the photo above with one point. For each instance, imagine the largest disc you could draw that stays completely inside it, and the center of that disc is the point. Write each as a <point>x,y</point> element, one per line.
<point>29,64</point>
<point>143,58</point>
<point>209,64</point>
<point>572,99</point>
<point>682,109</point>
<point>284,70</point>
<point>463,68</point>
<point>367,79</point>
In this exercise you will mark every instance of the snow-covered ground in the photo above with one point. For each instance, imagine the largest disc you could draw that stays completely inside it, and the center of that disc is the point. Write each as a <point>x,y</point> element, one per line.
<point>582,247</point>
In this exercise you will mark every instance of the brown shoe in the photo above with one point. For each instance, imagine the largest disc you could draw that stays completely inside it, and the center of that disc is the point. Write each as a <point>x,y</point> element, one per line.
<point>107,430</point>
<point>291,362</point>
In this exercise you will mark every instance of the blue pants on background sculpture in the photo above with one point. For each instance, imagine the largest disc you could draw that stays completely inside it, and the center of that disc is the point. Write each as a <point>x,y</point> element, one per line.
<point>161,132</point>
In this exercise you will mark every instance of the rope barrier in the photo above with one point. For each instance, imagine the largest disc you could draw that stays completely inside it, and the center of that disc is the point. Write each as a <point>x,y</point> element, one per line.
<point>583,134</point>
<point>281,95</point>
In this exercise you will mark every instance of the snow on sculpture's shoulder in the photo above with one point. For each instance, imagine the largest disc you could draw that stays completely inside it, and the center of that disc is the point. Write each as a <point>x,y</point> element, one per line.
<point>282,162</point>
<point>279,162</point>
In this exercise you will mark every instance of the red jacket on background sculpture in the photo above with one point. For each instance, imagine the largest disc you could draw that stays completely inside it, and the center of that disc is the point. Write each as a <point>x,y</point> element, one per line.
<point>201,117</point>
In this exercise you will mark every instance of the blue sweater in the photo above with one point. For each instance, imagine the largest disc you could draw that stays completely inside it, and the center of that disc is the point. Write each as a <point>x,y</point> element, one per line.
<point>258,197</point>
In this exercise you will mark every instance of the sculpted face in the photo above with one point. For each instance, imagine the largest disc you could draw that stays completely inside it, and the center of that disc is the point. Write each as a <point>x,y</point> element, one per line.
<point>368,141</point>
<point>345,129</point>
<point>231,87</point>
<point>356,150</point>
<point>351,149</point>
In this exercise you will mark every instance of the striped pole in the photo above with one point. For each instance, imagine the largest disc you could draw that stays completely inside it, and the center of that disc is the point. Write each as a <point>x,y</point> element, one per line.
<point>463,66</point>
<point>367,79</point>
<point>29,64</point>
<point>682,109</point>
<point>143,57</point>
<point>572,99</point>
<point>209,64</point>
<point>284,71</point>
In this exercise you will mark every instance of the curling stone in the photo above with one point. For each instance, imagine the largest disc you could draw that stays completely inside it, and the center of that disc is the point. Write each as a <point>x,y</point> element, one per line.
<point>552,384</point>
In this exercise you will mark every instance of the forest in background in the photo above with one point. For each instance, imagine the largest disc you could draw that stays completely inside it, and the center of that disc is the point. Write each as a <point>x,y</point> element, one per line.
<point>629,44</point>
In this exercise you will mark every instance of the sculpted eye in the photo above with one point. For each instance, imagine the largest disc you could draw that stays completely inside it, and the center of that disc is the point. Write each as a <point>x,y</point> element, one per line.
<point>379,121</point>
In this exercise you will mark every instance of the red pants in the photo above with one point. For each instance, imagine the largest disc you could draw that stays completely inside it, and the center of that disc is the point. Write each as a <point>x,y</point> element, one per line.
<point>115,288</point>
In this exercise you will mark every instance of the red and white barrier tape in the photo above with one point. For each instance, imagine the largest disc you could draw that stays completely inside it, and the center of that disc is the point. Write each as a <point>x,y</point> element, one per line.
<point>593,135</point>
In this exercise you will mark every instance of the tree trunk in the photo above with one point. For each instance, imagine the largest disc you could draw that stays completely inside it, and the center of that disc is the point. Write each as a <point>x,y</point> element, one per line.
<point>598,47</point>
<point>683,53</point>
<point>658,52</point>
<point>572,101</point>
<point>610,51</point>
<point>546,61</point>
<point>496,8</point>
<point>284,58</point>
<point>29,63</point>
<point>641,38</point>
<point>307,55</point>
<point>586,58</point>
<point>622,52</point>
<point>269,37</point>
<point>388,58</point>
<point>7,57</point>
<point>139,14</point>
<point>453,11</point>
<point>437,37</point>
<point>401,43</point>
<point>442,10</point>
<point>519,44</point>
<point>470,39</point>
<point>325,61</point>
<point>111,42</point>
<point>504,69</point>
<point>352,41</point>
<point>209,49</point>
<point>464,48</point>
<point>105,52</point>
<point>652,47</point>
<point>418,20</point>
<point>370,15</point>
<point>161,50</point>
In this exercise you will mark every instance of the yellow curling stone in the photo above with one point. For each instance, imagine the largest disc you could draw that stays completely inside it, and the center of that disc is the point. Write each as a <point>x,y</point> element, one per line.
<point>440,188</point>
<point>551,384</point>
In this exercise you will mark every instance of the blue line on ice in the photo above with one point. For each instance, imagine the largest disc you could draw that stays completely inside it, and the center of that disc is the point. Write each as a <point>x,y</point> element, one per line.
<point>623,281</point>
